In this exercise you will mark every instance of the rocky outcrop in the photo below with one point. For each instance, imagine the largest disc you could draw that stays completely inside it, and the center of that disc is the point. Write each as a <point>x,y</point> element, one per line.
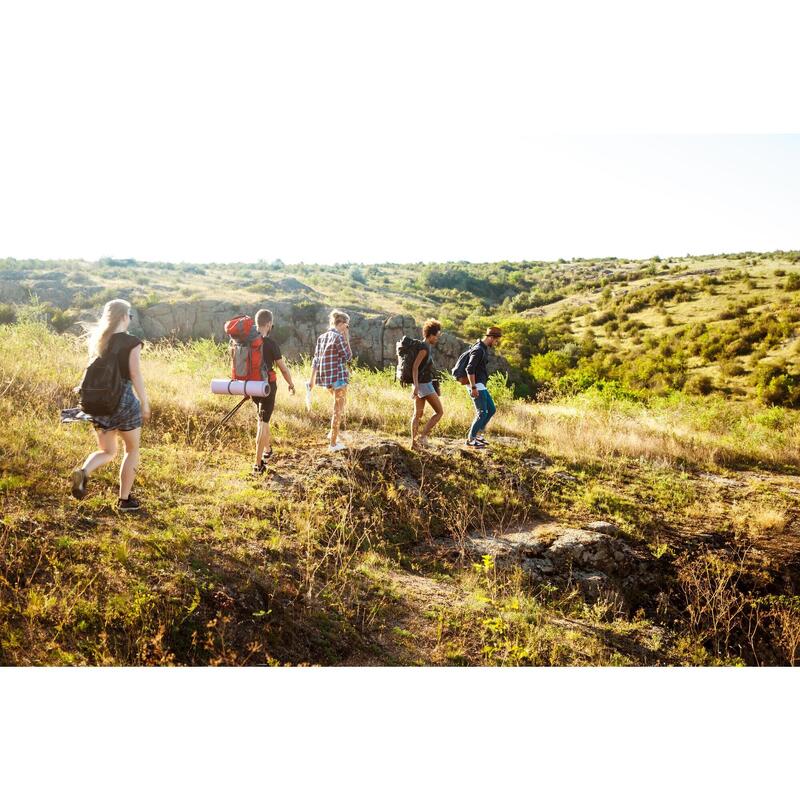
<point>297,325</point>
<point>298,320</point>
<point>49,290</point>
<point>593,558</point>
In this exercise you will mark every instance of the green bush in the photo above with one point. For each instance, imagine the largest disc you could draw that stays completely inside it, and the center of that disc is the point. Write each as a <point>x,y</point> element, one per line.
<point>776,386</point>
<point>793,282</point>
<point>545,368</point>
<point>61,320</point>
<point>734,311</point>
<point>731,368</point>
<point>699,384</point>
<point>8,314</point>
<point>501,391</point>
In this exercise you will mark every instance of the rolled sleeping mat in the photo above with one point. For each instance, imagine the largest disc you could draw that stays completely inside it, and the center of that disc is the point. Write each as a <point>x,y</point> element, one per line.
<point>241,388</point>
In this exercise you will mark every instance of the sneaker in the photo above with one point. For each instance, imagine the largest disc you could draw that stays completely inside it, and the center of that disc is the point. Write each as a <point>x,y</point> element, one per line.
<point>335,448</point>
<point>261,468</point>
<point>129,504</point>
<point>79,481</point>
<point>477,443</point>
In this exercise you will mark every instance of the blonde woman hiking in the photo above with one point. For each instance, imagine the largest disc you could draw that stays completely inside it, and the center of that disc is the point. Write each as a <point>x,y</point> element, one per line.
<point>329,369</point>
<point>110,340</point>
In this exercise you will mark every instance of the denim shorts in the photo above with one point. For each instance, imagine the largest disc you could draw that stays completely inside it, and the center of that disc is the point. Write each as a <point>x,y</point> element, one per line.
<point>425,389</point>
<point>339,384</point>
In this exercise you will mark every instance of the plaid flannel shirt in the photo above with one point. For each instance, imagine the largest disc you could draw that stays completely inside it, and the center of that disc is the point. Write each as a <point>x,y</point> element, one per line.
<point>331,357</point>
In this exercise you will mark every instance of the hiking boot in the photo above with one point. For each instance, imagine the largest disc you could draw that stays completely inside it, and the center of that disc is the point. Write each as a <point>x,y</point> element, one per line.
<point>265,457</point>
<point>79,481</point>
<point>129,504</point>
<point>260,468</point>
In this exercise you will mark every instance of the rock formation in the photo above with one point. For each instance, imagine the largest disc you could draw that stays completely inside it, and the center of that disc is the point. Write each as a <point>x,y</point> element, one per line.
<point>297,325</point>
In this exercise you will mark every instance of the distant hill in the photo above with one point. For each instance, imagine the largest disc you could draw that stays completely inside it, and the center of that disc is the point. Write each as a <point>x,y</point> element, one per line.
<point>723,324</point>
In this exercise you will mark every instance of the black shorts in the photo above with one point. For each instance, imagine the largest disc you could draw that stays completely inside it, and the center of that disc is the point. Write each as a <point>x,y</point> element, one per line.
<point>266,405</point>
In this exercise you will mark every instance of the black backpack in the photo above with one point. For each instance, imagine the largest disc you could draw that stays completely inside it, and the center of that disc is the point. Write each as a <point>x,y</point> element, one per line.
<point>459,371</point>
<point>101,386</point>
<point>407,349</point>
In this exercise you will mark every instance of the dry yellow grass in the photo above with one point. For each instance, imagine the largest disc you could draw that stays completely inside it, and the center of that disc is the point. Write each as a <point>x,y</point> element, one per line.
<point>225,569</point>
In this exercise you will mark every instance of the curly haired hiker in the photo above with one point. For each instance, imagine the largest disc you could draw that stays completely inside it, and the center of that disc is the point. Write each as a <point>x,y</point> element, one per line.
<point>426,386</point>
<point>110,340</point>
<point>329,369</point>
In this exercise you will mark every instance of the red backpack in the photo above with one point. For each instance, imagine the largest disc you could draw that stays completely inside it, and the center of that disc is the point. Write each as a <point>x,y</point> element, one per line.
<point>245,349</point>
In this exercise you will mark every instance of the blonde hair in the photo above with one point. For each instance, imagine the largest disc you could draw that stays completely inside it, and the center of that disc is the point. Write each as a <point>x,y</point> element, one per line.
<point>336,317</point>
<point>114,311</point>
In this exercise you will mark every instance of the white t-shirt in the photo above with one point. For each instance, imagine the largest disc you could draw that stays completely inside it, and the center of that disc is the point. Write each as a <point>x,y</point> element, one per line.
<point>478,386</point>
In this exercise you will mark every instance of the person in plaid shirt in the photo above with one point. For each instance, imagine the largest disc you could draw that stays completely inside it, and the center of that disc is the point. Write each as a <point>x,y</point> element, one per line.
<point>329,369</point>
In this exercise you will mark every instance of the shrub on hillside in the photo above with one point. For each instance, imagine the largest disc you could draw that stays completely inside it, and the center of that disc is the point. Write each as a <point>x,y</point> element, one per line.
<point>356,275</point>
<point>733,311</point>
<point>699,384</point>
<point>793,282</point>
<point>501,390</point>
<point>526,300</point>
<point>61,320</point>
<point>547,367</point>
<point>776,386</point>
<point>731,368</point>
<point>602,318</point>
<point>8,314</point>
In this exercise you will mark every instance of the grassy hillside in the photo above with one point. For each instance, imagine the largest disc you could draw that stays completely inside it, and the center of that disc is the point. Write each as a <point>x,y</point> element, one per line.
<point>384,556</point>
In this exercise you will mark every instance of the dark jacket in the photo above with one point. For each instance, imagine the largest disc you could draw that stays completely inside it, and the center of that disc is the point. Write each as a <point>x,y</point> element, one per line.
<point>478,359</point>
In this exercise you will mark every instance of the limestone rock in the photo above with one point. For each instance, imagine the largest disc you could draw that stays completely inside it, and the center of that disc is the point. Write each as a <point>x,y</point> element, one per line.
<point>603,527</point>
<point>596,562</point>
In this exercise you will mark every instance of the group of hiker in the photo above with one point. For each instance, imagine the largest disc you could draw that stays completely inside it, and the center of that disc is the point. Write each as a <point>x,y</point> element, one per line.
<point>114,357</point>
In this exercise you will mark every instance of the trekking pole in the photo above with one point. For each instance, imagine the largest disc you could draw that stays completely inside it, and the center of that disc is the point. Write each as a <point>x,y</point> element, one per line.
<point>229,415</point>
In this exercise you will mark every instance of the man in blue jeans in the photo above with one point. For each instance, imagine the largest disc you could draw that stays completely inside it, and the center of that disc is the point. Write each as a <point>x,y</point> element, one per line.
<point>478,375</point>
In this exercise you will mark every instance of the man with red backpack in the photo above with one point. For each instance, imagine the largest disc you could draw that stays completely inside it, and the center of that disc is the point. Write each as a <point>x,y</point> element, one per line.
<point>270,358</point>
<point>254,356</point>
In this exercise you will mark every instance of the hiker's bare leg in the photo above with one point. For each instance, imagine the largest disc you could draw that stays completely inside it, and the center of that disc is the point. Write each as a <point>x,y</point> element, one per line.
<point>107,442</point>
<point>436,405</point>
<point>339,400</point>
<point>130,463</point>
<point>263,440</point>
<point>419,410</point>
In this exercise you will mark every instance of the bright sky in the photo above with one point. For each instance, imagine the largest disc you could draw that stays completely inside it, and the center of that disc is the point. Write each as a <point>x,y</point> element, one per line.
<point>421,131</point>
